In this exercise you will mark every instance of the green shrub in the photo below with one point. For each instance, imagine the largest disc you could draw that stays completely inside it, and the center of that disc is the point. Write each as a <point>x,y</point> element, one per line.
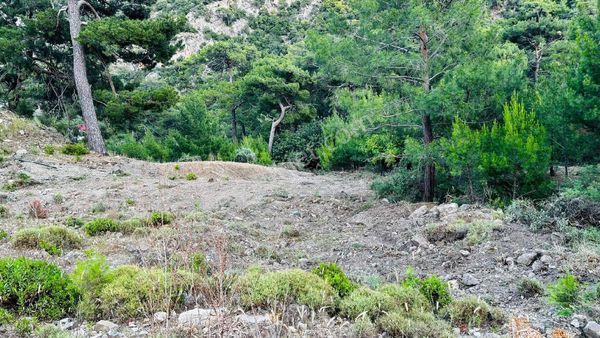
<point>564,294</point>
<point>191,177</point>
<point>51,331</point>
<point>158,218</point>
<point>74,222</point>
<point>75,149</point>
<point>131,225</point>
<point>529,287</point>
<point>401,185</point>
<point>473,312</point>
<point>199,263</point>
<point>363,327</point>
<point>100,226</point>
<point>25,325</point>
<point>585,185</point>
<point>259,147</point>
<point>58,198</point>
<point>245,155</point>
<point>262,289</point>
<point>334,275</point>
<point>436,291</point>
<point>387,298</point>
<point>421,325</point>
<point>481,231</point>
<point>127,292</point>
<point>49,149</point>
<point>525,212</point>
<point>3,211</point>
<point>6,317</point>
<point>53,239</point>
<point>98,208</point>
<point>35,287</point>
<point>3,234</point>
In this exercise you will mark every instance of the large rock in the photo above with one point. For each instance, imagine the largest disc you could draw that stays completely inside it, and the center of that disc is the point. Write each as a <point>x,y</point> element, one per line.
<point>257,319</point>
<point>420,212</point>
<point>527,258</point>
<point>592,330</point>
<point>446,209</point>
<point>105,326</point>
<point>470,280</point>
<point>196,317</point>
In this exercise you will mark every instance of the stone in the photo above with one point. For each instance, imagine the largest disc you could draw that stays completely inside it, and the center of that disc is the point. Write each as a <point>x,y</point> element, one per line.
<point>592,330</point>
<point>575,323</point>
<point>250,319</point>
<point>420,212</point>
<point>465,252</point>
<point>446,209</point>
<point>546,259</point>
<point>160,316</point>
<point>195,317</point>
<point>491,335</point>
<point>105,326</point>
<point>420,240</point>
<point>65,323</point>
<point>470,280</point>
<point>527,258</point>
<point>21,152</point>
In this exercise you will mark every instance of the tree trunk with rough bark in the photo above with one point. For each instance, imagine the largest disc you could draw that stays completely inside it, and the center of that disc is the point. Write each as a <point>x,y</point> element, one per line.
<point>84,90</point>
<point>429,174</point>
<point>282,111</point>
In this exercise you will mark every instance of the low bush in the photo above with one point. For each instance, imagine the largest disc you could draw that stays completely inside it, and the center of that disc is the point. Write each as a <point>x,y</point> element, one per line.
<point>245,155</point>
<point>530,287</point>
<point>74,222</point>
<point>3,211</point>
<point>261,289</point>
<point>191,177</point>
<point>6,317</point>
<point>199,263</point>
<point>473,312</point>
<point>335,277</point>
<point>52,239</point>
<point>363,327</point>
<point>25,325</point>
<point>75,149</point>
<point>127,292</point>
<point>159,218</point>
<point>422,325</point>
<point>36,288</point>
<point>373,303</point>
<point>131,225</point>
<point>481,231</point>
<point>49,149</point>
<point>100,226</point>
<point>3,234</point>
<point>433,288</point>
<point>564,294</point>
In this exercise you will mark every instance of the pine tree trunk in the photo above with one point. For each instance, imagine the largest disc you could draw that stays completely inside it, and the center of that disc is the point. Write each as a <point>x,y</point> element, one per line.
<point>275,124</point>
<point>84,90</point>
<point>429,174</point>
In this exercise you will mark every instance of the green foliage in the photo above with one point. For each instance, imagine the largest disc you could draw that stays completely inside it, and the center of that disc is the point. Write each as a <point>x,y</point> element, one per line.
<point>159,218</point>
<point>334,275</point>
<point>257,146</point>
<point>364,328</point>
<point>25,325</point>
<point>6,317</point>
<point>199,263</point>
<point>509,159</point>
<point>191,176</point>
<point>52,239</point>
<point>422,325</point>
<point>100,226</point>
<point>3,211</point>
<point>49,149</point>
<point>126,292</point>
<point>530,287</point>
<point>74,222</point>
<point>261,289</point>
<point>473,312</point>
<point>387,298</point>
<point>585,185</point>
<point>3,234</point>
<point>245,155</point>
<point>564,294</point>
<point>75,149</point>
<point>432,287</point>
<point>36,288</point>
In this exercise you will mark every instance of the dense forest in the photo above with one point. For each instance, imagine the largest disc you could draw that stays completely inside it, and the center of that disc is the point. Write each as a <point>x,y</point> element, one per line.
<point>467,100</point>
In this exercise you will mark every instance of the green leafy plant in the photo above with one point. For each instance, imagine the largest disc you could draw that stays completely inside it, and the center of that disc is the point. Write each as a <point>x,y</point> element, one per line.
<point>564,294</point>
<point>36,288</point>
<point>3,211</point>
<point>191,176</point>
<point>334,275</point>
<point>49,149</point>
<point>25,325</point>
<point>75,149</point>
<point>52,239</point>
<point>529,287</point>
<point>3,234</point>
<point>473,312</point>
<point>100,226</point>
<point>159,218</point>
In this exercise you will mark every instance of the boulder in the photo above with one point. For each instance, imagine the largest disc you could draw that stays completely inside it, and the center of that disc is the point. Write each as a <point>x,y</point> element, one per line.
<point>527,258</point>
<point>592,330</point>
<point>470,280</point>
<point>105,326</point>
<point>195,317</point>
